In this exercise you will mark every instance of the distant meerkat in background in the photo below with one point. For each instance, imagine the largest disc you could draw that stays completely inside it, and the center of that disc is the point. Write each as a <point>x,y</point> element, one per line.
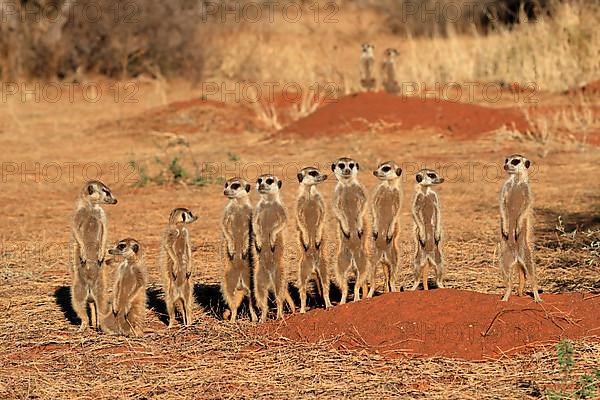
<point>90,233</point>
<point>268,224</point>
<point>428,229</point>
<point>177,265</point>
<point>350,208</point>
<point>367,67</point>
<point>386,204</point>
<point>310,216</point>
<point>388,72</point>
<point>516,245</point>
<point>237,245</point>
<point>128,307</point>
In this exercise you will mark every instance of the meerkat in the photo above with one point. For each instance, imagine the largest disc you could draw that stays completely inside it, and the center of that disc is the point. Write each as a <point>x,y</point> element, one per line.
<point>128,306</point>
<point>310,216</point>
<point>427,229</point>
<point>177,265</point>
<point>367,66</point>
<point>268,223</point>
<point>388,71</point>
<point>386,204</point>
<point>237,245</point>
<point>516,245</point>
<point>90,233</point>
<point>350,208</point>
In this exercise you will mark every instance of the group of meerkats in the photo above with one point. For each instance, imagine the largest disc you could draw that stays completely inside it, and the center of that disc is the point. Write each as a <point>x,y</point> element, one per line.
<point>253,245</point>
<point>389,80</point>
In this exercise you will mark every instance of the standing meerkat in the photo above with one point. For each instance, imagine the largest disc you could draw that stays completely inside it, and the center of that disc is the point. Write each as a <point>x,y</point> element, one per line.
<point>90,233</point>
<point>128,307</point>
<point>428,229</point>
<point>310,215</point>
<point>516,245</point>
<point>388,72</point>
<point>237,245</point>
<point>386,203</point>
<point>350,208</point>
<point>268,224</point>
<point>367,67</point>
<point>177,265</point>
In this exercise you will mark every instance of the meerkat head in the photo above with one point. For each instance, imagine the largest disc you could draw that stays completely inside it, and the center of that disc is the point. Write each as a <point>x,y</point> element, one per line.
<point>387,171</point>
<point>97,192</point>
<point>428,177</point>
<point>311,176</point>
<point>126,248</point>
<point>181,216</point>
<point>236,188</point>
<point>367,50</point>
<point>516,164</point>
<point>390,53</point>
<point>268,184</point>
<point>345,168</point>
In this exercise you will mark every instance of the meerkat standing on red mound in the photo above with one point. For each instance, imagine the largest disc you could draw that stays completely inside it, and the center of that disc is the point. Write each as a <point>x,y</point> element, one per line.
<point>268,224</point>
<point>350,208</point>
<point>516,227</point>
<point>310,217</point>
<point>386,204</point>
<point>177,265</point>
<point>90,233</point>
<point>428,229</point>
<point>237,247</point>
<point>388,72</point>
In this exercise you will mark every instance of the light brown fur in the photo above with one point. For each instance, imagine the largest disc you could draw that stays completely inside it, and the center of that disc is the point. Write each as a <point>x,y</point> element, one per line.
<point>177,265</point>
<point>350,208</point>
<point>388,72</point>
<point>386,205</point>
<point>268,224</point>
<point>516,228</point>
<point>89,248</point>
<point>128,306</point>
<point>310,215</point>
<point>237,250</point>
<point>427,229</point>
<point>367,67</point>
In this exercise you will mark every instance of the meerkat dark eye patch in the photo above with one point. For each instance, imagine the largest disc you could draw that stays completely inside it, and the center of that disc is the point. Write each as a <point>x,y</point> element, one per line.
<point>313,173</point>
<point>226,185</point>
<point>90,190</point>
<point>135,248</point>
<point>248,187</point>
<point>419,178</point>
<point>387,168</point>
<point>259,181</point>
<point>121,246</point>
<point>515,162</point>
<point>341,165</point>
<point>270,181</point>
<point>235,186</point>
<point>432,176</point>
<point>300,177</point>
<point>106,192</point>
<point>351,165</point>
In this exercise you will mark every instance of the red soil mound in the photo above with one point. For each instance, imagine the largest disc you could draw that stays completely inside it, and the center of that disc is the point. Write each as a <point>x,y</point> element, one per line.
<point>446,322</point>
<point>357,112</point>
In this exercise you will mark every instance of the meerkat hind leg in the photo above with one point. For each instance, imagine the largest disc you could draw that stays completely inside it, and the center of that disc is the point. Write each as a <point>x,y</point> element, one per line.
<point>529,269</point>
<point>170,311</point>
<point>324,283</point>
<point>343,265</point>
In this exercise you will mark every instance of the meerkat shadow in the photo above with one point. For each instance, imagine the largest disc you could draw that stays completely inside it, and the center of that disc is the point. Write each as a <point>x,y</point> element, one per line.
<point>155,301</point>
<point>210,299</point>
<point>62,298</point>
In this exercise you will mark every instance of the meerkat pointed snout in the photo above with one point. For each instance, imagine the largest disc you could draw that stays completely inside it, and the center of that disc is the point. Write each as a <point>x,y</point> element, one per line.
<point>310,217</point>
<point>516,227</point>
<point>367,63</point>
<point>350,208</point>
<point>90,233</point>
<point>387,202</point>
<point>128,306</point>
<point>237,252</point>
<point>177,265</point>
<point>427,217</point>
<point>388,71</point>
<point>270,219</point>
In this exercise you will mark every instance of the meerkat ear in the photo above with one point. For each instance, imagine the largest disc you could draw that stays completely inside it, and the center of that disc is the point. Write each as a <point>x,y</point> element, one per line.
<point>183,216</point>
<point>248,187</point>
<point>333,167</point>
<point>299,177</point>
<point>357,167</point>
<point>279,184</point>
<point>398,171</point>
<point>419,178</point>
<point>90,190</point>
<point>527,163</point>
<point>135,248</point>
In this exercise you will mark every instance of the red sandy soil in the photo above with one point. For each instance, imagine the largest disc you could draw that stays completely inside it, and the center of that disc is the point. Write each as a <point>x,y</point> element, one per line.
<point>356,112</point>
<point>447,322</point>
